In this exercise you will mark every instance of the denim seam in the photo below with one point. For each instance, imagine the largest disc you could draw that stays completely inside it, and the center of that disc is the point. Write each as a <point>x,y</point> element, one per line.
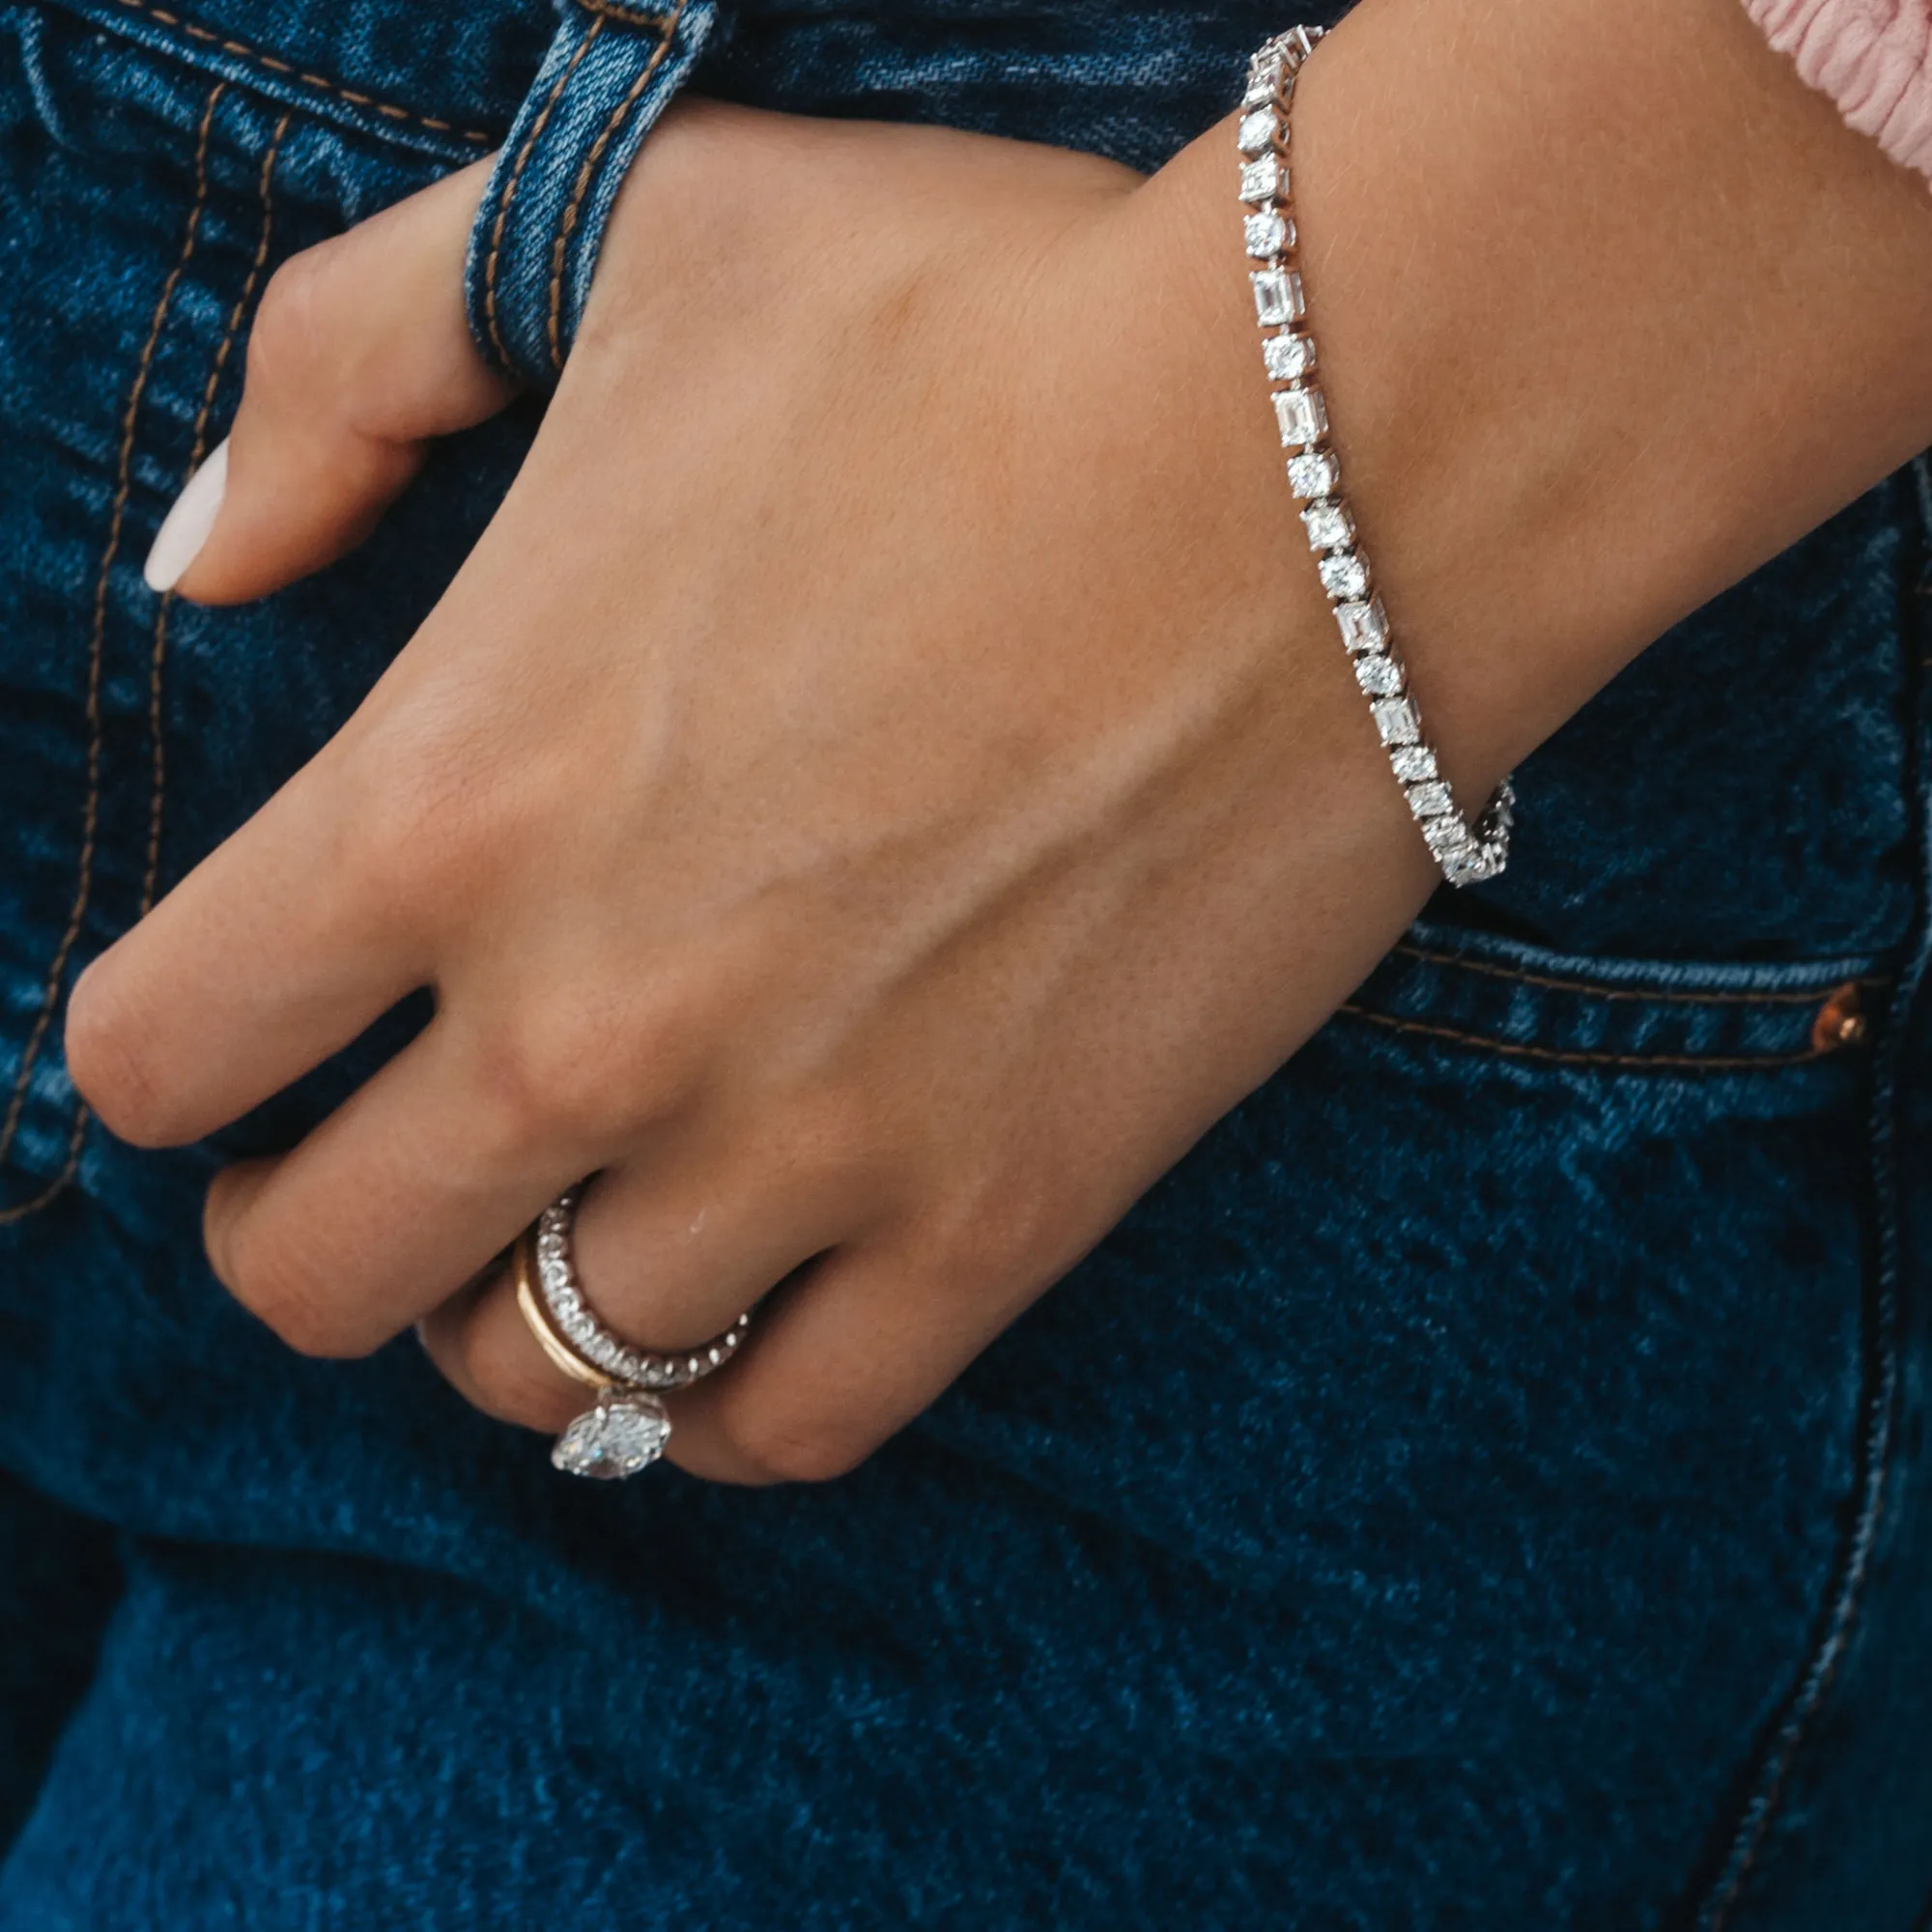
<point>632,17</point>
<point>1791,1726</point>
<point>97,649</point>
<point>538,122</point>
<point>567,226</point>
<point>288,71</point>
<point>1658,996</point>
<point>1581,1056</point>
<point>197,450</point>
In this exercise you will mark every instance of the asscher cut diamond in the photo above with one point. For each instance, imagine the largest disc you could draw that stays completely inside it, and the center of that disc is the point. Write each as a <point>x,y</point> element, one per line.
<point>1288,358</point>
<point>1412,762</point>
<point>1313,474</point>
<point>1301,416</point>
<point>1396,721</point>
<point>1278,298</point>
<point>1431,800</point>
<point>1379,677</point>
<point>1264,179</point>
<point>1445,834</point>
<point>1365,627</point>
<point>1256,133</point>
<point>1329,526</point>
<point>1344,575</point>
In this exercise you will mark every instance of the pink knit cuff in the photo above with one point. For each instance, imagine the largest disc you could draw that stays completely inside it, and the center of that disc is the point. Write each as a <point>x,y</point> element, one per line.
<point>1873,57</point>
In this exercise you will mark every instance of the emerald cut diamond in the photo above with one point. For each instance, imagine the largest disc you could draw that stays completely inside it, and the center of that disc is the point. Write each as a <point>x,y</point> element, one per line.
<point>1365,627</point>
<point>1277,296</point>
<point>1396,721</point>
<point>1301,416</point>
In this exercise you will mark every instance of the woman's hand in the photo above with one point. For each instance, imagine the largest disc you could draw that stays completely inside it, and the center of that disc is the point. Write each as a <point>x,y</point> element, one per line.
<point>886,783</point>
<point>883,784</point>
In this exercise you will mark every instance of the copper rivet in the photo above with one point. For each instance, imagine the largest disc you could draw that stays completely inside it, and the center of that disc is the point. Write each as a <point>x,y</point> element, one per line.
<point>1839,1022</point>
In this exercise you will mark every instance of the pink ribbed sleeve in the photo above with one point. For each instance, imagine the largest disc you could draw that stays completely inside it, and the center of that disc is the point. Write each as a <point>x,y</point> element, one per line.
<point>1873,57</point>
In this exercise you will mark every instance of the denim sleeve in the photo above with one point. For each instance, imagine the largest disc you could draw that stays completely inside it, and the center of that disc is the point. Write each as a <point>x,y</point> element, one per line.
<point>612,70</point>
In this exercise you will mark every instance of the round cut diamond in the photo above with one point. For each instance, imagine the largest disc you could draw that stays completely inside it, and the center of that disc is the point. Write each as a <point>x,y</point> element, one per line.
<point>1288,358</point>
<point>1345,577</point>
<point>1268,234</point>
<point>1255,134</point>
<point>1379,677</point>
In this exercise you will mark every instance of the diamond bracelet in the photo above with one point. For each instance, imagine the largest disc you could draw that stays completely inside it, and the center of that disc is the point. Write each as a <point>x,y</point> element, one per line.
<point>1466,852</point>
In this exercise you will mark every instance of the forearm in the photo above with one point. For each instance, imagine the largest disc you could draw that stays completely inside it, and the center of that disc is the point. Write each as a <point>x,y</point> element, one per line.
<point>1613,308</point>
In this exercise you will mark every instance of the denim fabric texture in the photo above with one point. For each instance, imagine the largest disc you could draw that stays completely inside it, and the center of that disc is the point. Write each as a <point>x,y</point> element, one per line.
<point>1484,1486</point>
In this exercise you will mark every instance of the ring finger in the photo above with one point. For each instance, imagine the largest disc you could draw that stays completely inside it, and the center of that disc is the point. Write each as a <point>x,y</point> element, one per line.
<point>669,1258</point>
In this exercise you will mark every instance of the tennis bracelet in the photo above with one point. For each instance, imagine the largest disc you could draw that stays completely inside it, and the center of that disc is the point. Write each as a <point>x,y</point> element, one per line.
<point>1467,852</point>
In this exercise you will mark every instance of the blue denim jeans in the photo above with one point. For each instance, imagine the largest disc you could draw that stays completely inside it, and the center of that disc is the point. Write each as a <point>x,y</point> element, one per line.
<point>1485,1486</point>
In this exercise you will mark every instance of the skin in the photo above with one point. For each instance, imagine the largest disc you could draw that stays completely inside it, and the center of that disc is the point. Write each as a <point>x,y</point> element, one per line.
<point>887,782</point>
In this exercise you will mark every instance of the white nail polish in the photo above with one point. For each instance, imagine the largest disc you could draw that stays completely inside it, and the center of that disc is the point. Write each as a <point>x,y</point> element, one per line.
<point>185,529</point>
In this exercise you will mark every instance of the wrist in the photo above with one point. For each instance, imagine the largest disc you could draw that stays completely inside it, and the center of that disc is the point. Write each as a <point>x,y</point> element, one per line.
<point>1591,353</point>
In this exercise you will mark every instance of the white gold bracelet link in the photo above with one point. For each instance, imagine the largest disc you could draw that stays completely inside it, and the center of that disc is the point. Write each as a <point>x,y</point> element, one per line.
<point>1467,852</point>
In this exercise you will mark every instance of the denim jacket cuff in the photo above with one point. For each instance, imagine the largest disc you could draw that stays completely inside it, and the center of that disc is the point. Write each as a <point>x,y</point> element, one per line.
<point>612,70</point>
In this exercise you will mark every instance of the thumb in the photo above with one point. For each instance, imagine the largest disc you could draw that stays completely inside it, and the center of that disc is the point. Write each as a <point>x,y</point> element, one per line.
<point>361,351</point>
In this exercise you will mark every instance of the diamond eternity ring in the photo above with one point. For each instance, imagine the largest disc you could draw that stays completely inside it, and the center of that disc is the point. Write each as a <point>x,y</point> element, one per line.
<point>627,1428</point>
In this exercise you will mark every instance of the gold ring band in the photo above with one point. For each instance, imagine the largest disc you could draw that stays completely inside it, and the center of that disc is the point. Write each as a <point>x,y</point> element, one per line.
<point>536,1318</point>
<point>629,1427</point>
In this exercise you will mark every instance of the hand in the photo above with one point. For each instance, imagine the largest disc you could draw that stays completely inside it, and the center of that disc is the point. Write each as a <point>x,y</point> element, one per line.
<point>883,785</point>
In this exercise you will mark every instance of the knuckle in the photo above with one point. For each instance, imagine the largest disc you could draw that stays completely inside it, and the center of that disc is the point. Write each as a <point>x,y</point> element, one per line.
<point>286,341</point>
<point>417,816</point>
<point>779,1448</point>
<point>110,1058</point>
<point>292,1287</point>
<point>288,1293</point>
<point>549,1076</point>
<point>582,1066</point>
<point>1007,1230</point>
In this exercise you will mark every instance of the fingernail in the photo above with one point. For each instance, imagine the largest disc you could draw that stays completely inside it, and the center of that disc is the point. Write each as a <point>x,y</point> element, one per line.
<point>185,529</point>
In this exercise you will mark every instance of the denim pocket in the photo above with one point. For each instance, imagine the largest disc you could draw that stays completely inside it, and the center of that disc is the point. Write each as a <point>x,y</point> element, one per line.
<point>1496,1385</point>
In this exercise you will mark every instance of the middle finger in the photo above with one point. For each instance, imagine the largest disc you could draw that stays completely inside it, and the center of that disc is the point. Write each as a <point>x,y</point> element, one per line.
<point>391,1205</point>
